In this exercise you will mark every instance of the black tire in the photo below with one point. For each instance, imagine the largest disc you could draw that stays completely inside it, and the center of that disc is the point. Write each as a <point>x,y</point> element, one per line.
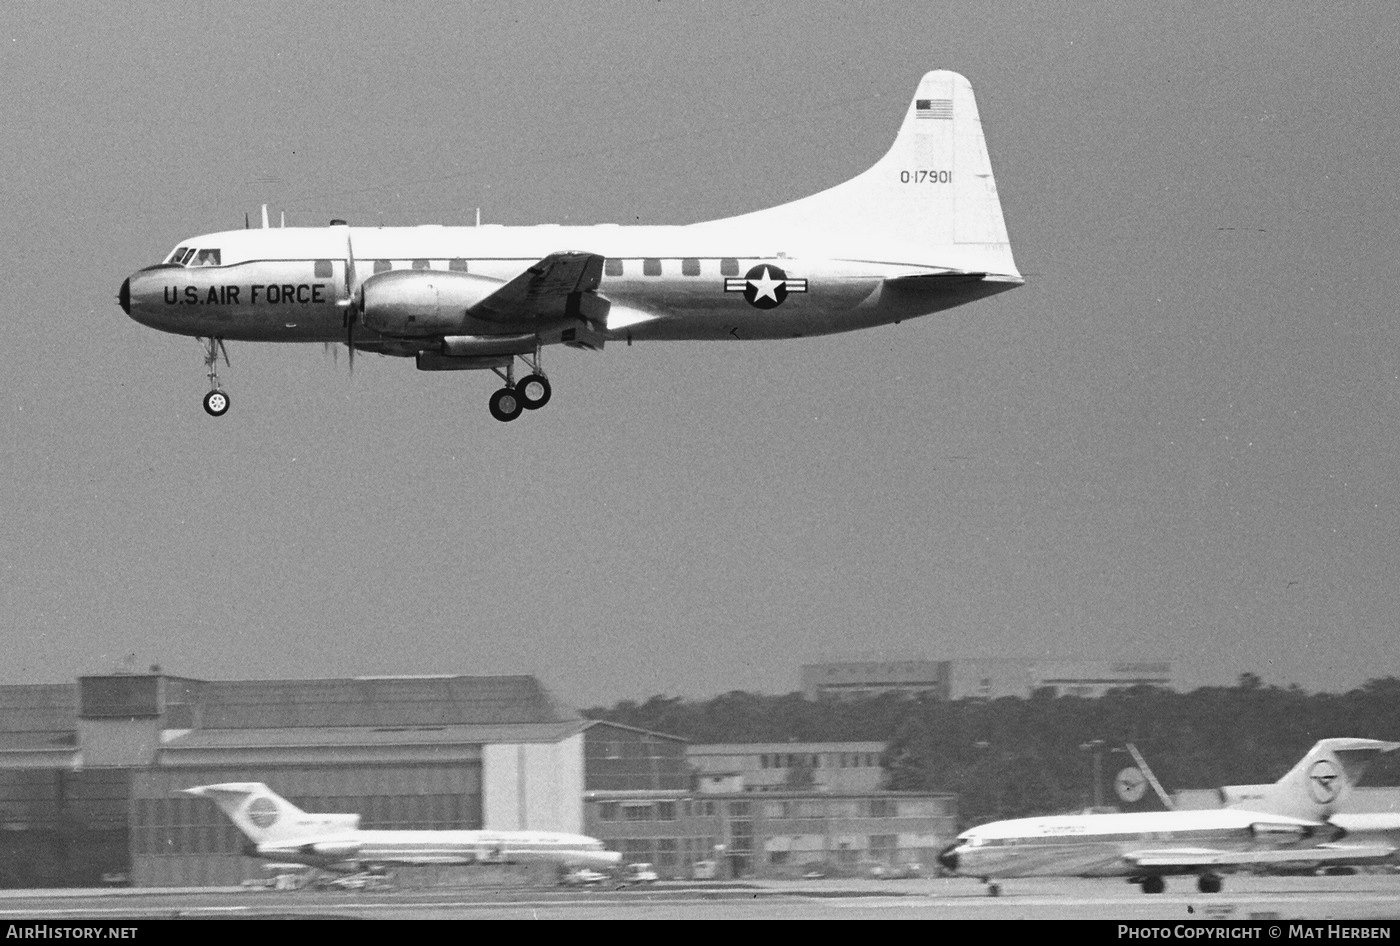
<point>216,403</point>
<point>534,391</point>
<point>505,405</point>
<point>1153,885</point>
<point>1209,883</point>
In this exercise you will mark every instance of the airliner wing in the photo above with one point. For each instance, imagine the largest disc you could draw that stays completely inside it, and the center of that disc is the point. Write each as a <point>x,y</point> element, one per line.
<point>349,850</point>
<point>562,285</point>
<point>1208,857</point>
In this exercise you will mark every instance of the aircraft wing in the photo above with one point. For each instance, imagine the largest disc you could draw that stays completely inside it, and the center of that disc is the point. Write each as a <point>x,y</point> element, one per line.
<point>1210,857</point>
<point>321,853</point>
<point>562,285</point>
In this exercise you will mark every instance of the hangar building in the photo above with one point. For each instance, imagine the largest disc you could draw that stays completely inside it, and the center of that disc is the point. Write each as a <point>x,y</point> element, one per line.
<point>90,772</point>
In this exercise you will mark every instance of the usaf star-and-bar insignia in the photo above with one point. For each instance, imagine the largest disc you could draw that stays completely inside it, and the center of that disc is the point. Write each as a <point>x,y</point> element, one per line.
<point>764,286</point>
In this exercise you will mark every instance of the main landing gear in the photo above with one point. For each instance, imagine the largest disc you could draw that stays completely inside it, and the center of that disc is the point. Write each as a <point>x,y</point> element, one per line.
<point>1205,883</point>
<point>216,401</point>
<point>530,393</point>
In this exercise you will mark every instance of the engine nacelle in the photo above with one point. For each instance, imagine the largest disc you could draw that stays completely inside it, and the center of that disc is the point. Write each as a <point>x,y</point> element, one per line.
<point>336,849</point>
<point>418,303</point>
<point>1285,832</point>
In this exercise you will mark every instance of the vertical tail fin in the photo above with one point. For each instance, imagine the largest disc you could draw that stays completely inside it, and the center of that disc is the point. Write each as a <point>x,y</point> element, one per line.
<point>1317,786</point>
<point>933,191</point>
<point>260,813</point>
<point>1135,787</point>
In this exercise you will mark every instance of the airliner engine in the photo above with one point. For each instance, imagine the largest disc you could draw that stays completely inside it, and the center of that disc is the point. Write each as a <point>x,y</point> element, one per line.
<point>421,303</point>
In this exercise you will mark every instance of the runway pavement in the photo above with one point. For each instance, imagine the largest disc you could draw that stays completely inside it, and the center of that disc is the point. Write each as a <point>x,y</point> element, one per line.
<point>1359,897</point>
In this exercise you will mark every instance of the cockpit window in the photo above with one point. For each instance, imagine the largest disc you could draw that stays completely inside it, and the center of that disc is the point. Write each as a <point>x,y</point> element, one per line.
<point>206,258</point>
<point>185,256</point>
<point>178,255</point>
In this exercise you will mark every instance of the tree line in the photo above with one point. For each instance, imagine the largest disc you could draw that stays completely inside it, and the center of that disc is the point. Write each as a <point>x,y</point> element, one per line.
<point>1014,757</point>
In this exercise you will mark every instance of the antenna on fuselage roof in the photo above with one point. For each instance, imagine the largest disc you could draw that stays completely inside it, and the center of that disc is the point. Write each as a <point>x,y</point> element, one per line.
<point>245,220</point>
<point>478,216</point>
<point>284,219</point>
<point>264,216</point>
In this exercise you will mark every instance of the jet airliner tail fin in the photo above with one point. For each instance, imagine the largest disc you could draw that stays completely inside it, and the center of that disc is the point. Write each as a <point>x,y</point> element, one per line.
<point>260,813</point>
<point>1317,785</point>
<point>933,190</point>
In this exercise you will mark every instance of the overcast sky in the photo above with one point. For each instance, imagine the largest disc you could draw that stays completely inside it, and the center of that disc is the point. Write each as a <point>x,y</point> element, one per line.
<point>1177,441</point>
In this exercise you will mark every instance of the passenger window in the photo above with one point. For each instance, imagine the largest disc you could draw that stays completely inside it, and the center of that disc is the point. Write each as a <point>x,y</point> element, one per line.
<point>690,267</point>
<point>458,265</point>
<point>207,258</point>
<point>728,267</point>
<point>323,269</point>
<point>651,267</point>
<point>612,267</point>
<point>420,264</point>
<point>382,266</point>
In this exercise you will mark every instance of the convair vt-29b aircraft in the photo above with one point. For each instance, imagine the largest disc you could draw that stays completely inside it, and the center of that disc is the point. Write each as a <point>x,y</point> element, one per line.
<point>919,232</point>
<point>279,831</point>
<point>1290,823</point>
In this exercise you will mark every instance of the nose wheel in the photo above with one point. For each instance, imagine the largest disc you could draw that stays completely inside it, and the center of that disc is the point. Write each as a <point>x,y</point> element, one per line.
<point>216,401</point>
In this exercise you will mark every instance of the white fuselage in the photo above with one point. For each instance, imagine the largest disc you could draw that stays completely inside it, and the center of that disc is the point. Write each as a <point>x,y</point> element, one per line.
<point>369,847</point>
<point>287,284</point>
<point>1098,845</point>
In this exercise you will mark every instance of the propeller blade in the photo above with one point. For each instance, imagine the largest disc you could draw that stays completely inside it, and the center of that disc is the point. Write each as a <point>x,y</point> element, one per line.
<point>348,302</point>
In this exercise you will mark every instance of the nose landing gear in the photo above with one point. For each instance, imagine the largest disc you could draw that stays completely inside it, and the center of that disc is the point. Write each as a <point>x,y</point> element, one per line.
<point>216,401</point>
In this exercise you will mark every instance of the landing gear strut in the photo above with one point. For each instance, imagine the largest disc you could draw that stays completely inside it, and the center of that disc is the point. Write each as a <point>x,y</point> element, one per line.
<point>216,401</point>
<point>530,393</point>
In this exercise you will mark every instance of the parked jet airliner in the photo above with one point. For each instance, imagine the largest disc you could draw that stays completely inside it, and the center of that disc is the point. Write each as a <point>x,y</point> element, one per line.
<point>919,232</point>
<point>280,831</point>
<point>1290,824</point>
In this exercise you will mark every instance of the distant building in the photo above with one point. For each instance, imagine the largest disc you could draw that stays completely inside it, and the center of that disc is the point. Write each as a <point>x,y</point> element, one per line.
<point>788,766</point>
<point>626,758</point>
<point>753,809</point>
<point>774,834</point>
<point>90,773</point>
<point>978,679</point>
<point>853,680</point>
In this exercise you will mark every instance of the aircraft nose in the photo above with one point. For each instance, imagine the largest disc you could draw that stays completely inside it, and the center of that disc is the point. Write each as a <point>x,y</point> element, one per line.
<point>949,858</point>
<point>124,296</point>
